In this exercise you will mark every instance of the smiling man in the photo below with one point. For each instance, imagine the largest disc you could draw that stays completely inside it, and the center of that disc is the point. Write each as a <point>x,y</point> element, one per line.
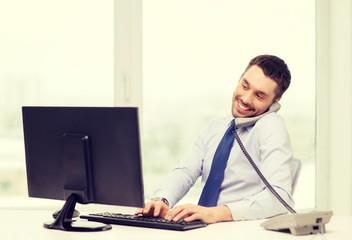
<point>235,192</point>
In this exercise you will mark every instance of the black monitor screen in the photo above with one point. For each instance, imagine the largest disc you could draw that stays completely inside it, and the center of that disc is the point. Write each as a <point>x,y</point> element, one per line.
<point>93,152</point>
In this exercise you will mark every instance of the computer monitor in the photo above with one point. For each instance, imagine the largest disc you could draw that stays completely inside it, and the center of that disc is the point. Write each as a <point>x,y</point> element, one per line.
<point>84,155</point>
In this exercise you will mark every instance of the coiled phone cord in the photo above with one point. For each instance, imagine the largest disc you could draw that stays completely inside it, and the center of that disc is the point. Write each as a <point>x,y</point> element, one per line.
<point>260,174</point>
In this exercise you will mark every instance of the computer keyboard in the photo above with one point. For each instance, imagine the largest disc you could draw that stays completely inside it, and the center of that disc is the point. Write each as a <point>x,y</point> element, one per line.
<point>143,221</point>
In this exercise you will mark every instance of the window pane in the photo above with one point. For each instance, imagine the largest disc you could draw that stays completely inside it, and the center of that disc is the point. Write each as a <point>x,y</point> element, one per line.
<point>52,53</point>
<point>194,54</point>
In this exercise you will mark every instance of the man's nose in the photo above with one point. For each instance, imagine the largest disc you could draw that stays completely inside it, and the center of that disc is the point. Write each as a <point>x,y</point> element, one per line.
<point>247,99</point>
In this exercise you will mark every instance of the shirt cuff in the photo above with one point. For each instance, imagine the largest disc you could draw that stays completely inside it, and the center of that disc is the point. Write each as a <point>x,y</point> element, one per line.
<point>166,195</point>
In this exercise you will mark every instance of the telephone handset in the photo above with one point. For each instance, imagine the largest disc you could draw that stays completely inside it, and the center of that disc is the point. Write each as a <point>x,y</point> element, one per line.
<point>295,223</point>
<point>245,122</point>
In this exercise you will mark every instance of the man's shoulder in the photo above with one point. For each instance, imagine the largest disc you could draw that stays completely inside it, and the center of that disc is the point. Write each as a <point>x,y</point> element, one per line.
<point>271,125</point>
<point>271,119</point>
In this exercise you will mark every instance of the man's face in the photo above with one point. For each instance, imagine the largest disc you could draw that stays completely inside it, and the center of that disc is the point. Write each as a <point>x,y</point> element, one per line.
<point>254,93</point>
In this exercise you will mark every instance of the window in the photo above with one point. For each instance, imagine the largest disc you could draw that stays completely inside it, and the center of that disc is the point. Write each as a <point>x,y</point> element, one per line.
<point>52,53</point>
<point>194,52</point>
<point>193,55</point>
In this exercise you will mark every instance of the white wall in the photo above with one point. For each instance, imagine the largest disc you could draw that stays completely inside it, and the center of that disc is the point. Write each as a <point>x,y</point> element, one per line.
<point>334,106</point>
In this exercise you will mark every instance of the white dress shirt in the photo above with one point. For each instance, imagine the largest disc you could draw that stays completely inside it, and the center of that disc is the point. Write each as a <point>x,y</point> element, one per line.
<point>268,143</point>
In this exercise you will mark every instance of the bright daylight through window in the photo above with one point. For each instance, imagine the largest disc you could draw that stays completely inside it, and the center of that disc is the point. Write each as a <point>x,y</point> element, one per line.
<point>193,55</point>
<point>53,53</point>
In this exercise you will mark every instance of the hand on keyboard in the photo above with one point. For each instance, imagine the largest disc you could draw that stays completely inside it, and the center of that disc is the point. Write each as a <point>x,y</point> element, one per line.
<point>154,208</point>
<point>191,212</point>
<point>187,212</point>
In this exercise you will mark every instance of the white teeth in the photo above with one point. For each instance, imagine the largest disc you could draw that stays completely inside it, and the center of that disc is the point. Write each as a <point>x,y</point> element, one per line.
<point>243,107</point>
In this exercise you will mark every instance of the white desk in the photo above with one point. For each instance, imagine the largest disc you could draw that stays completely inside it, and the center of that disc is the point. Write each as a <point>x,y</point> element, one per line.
<point>28,224</point>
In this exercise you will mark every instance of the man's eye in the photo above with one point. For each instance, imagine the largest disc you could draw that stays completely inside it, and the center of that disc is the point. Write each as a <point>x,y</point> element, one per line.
<point>244,86</point>
<point>260,96</point>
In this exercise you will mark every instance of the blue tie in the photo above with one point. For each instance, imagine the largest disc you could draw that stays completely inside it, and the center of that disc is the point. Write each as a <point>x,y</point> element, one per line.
<point>210,193</point>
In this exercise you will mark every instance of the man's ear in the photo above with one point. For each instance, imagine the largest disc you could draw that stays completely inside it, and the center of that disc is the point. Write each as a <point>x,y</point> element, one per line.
<point>277,99</point>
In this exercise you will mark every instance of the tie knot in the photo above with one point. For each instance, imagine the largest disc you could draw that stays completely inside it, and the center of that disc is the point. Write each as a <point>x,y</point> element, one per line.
<point>233,124</point>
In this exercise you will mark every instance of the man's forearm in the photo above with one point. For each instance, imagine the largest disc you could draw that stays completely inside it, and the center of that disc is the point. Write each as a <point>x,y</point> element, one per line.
<point>222,213</point>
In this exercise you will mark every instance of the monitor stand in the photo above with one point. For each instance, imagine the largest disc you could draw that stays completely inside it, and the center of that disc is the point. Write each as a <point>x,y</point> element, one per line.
<point>65,222</point>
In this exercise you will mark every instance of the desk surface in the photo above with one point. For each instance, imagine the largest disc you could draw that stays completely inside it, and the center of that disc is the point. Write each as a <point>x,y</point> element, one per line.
<point>27,224</point>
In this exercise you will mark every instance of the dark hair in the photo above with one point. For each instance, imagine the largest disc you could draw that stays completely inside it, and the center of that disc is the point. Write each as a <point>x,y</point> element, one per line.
<point>274,68</point>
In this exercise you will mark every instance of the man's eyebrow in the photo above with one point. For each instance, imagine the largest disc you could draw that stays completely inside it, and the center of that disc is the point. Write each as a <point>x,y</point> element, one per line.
<point>245,81</point>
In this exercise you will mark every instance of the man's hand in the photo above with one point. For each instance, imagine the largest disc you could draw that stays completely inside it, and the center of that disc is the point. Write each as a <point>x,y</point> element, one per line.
<point>154,208</point>
<point>190,212</point>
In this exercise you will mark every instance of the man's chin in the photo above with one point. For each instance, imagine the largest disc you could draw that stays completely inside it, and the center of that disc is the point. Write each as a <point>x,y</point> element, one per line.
<point>242,115</point>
